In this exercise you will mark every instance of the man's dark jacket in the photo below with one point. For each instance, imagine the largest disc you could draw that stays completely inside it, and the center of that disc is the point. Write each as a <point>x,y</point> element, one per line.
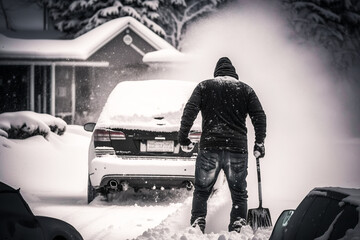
<point>224,103</point>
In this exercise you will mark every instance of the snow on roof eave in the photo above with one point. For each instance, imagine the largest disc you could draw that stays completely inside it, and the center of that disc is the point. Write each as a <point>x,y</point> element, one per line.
<point>80,48</point>
<point>165,56</point>
<point>13,48</point>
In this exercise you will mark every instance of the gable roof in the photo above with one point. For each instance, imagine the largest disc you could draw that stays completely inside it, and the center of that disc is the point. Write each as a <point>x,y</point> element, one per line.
<point>80,48</point>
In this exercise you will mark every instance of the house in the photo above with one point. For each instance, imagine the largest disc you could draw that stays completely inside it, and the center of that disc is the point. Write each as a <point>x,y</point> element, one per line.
<point>71,78</point>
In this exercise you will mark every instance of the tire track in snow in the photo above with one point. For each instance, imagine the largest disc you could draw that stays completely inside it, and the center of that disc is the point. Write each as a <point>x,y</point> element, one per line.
<point>122,220</point>
<point>96,218</point>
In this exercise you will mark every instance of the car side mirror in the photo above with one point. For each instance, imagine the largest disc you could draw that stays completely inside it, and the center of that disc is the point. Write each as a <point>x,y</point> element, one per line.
<point>281,224</point>
<point>89,126</point>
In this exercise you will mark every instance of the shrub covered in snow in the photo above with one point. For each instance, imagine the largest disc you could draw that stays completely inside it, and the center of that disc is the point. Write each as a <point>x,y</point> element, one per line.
<point>24,124</point>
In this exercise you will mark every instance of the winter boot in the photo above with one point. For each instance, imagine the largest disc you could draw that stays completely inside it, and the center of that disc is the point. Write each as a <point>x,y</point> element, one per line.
<point>201,222</point>
<point>237,225</point>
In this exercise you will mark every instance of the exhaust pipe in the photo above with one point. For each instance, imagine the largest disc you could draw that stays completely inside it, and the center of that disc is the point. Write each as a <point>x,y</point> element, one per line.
<point>113,184</point>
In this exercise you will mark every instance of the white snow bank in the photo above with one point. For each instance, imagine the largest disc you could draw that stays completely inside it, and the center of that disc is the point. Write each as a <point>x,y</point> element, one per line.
<point>26,123</point>
<point>126,217</point>
<point>3,133</point>
<point>147,105</point>
<point>53,167</point>
<point>177,225</point>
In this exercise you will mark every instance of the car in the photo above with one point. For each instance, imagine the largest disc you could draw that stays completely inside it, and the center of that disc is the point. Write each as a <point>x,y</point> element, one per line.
<point>134,142</point>
<point>325,213</point>
<point>18,222</point>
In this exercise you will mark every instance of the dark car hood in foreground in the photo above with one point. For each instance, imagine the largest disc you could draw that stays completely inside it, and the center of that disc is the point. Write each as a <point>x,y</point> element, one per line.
<point>18,222</point>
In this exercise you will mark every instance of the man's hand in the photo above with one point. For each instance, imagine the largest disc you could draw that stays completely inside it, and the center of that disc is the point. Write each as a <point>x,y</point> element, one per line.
<point>186,144</point>
<point>188,148</point>
<point>259,150</point>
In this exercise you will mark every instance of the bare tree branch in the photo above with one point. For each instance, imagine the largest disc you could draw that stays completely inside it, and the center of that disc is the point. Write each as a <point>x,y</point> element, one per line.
<point>6,17</point>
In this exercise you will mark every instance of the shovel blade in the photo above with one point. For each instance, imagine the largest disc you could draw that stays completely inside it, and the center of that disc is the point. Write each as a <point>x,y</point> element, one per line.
<point>259,218</point>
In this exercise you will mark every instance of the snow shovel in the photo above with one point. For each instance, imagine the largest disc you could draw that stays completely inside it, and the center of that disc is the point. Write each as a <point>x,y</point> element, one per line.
<point>259,217</point>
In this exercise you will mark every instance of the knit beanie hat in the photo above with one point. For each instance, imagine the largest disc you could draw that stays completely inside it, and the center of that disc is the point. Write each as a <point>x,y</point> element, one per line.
<point>224,67</point>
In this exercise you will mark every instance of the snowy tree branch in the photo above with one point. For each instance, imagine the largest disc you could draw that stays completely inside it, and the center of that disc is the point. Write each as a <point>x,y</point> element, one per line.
<point>205,9</point>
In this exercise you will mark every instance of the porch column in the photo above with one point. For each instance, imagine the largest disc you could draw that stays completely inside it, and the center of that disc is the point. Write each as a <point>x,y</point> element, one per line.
<point>32,87</point>
<point>44,90</point>
<point>52,90</point>
<point>73,96</point>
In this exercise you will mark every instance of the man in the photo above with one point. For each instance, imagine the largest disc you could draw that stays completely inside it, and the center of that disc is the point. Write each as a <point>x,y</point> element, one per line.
<point>224,103</point>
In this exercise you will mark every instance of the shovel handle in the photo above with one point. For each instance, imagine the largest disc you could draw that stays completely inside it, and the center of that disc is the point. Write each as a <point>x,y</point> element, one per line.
<point>259,181</point>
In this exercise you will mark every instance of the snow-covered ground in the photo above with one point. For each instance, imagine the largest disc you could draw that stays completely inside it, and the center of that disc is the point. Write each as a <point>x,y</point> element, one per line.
<point>52,175</point>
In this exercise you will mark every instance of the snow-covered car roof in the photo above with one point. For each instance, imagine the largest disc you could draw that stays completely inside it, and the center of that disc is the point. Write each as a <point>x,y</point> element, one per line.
<point>350,195</point>
<point>155,105</point>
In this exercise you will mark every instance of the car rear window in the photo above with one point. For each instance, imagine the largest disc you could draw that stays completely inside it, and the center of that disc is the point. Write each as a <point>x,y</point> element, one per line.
<point>143,104</point>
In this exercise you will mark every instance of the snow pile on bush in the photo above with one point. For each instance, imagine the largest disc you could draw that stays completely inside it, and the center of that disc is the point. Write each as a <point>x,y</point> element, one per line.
<point>24,124</point>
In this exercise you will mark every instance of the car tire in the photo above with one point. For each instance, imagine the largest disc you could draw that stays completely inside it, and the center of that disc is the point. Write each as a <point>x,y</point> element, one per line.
<point>91,193</point>
<point>57,229</point>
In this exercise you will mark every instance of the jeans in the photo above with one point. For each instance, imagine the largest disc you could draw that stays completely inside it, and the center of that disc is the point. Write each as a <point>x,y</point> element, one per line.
<point>208,166</point>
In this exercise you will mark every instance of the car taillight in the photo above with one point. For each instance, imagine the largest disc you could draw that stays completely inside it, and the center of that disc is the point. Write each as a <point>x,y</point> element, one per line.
<point>105,135</point>
<point>117,135</point>
<point>195,136</point>
<point>102,135</point>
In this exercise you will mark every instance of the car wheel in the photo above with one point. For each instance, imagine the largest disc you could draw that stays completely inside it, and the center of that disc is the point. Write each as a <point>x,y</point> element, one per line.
<point>91,193</point>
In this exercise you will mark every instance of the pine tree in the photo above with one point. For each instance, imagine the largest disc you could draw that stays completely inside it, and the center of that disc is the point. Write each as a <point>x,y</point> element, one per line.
<point>176,15</point>
<point>333,24</point>
<point>167,18</point>
<point>80,16</point>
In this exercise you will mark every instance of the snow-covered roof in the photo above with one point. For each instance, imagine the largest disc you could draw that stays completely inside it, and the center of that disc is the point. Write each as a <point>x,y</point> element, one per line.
<point>80,48</point>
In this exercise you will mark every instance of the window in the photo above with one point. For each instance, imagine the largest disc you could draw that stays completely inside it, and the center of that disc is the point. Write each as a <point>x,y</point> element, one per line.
<point>295,220</point>
<point>348,219</point>
<point>311,221</point>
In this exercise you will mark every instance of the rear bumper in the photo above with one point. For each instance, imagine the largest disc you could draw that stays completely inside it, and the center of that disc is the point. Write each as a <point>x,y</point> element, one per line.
<point>149,181</point>
<point>142,172</point>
